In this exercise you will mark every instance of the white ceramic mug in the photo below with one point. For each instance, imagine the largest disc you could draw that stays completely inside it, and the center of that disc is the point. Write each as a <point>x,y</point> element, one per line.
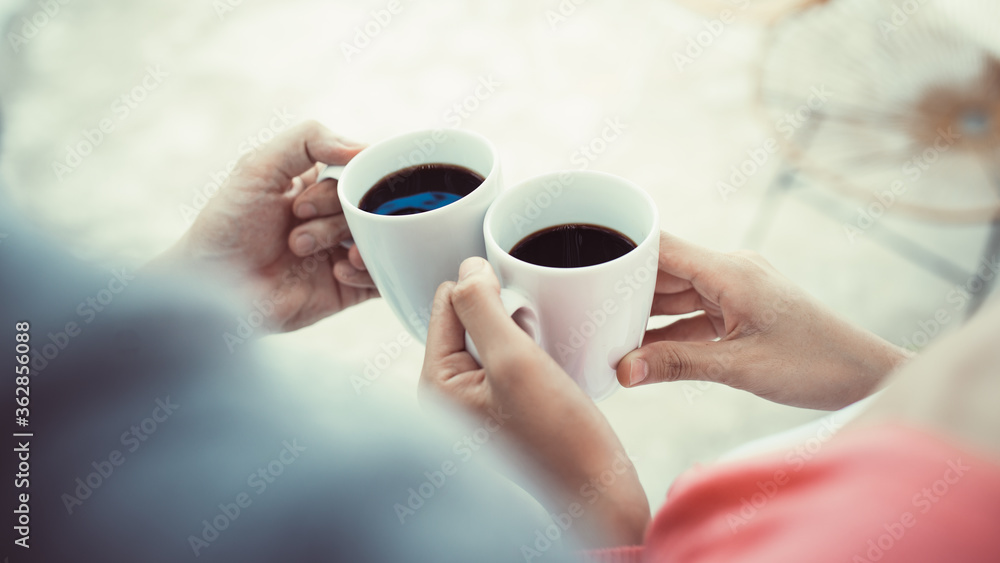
<point>586,318</point>
<point>409,256</point>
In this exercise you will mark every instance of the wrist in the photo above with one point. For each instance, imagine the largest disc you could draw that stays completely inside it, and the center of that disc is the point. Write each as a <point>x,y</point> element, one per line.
<point>604,499</point>
<point>891,359</point>
<point>872,360</point>
<point>611,506</point>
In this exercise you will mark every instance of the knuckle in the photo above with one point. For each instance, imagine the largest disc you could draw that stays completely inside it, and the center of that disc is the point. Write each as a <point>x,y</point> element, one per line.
<point>444,290</point>
<point>442,297</point>
<point>337,230</point>
<point>245,164</point>
<point>312,125</point>
<point>468,296</point>
<point>306,129</point>
<point>748,264</point>
<point>671,364</point>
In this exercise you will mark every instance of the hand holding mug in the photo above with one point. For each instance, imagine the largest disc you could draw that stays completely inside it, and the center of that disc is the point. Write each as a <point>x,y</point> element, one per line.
<point>273,232</point>
<point>576,254</point>
<point>545,413</point>
<point>774,340</point>
<point>411,230</point>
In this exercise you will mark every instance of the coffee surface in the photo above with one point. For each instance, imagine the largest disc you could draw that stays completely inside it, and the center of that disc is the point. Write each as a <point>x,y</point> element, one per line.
<point>420,188</point>
<point>572,246</point>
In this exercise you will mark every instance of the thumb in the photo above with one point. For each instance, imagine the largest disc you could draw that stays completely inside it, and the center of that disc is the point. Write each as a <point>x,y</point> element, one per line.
<point>476,299</point>
<point>295,151</point>
<point>678,361</point>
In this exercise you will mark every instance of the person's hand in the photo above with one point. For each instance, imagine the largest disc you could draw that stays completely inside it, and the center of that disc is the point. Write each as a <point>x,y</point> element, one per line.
<point>540,409</point>
<point>775,340</point>
<point>274,234</point>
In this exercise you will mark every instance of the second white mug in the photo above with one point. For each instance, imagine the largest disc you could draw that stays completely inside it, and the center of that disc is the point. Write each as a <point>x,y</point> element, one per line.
<point>586,318</point>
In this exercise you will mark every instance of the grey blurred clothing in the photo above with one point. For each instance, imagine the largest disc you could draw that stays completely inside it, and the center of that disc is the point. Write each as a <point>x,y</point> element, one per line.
<point>176,438</point>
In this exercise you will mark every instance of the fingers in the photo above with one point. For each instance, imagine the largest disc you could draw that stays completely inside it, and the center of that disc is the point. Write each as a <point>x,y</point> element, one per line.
<point>294,151</point>
<point>669,283</point>
<point>299,183</point>
<point>687,301</point>
<point>678,361</point>
<point>318,234</point>
<point>447,368</point>
<point>353,271</point>
<point>347,274</point>
<point>318,200</point>
<point>476,299</point>
<point>683,261</point>
<point>697,328</point>
<point>309,178</point>
<point>354,256</point>
<point>445,333</point>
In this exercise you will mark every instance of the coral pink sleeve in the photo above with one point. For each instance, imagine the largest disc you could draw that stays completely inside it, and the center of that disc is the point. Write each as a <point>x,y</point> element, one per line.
<point>885,494</point>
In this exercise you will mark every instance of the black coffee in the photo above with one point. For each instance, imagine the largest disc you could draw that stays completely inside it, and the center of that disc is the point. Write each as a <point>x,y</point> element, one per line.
<point>572,246</point>
<point>420,188</point>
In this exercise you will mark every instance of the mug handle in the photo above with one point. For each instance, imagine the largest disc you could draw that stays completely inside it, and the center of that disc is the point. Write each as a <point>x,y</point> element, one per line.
<point>519,309</point>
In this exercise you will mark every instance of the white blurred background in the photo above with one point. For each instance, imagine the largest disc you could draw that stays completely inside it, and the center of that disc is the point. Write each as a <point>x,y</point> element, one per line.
<point>226,70</point>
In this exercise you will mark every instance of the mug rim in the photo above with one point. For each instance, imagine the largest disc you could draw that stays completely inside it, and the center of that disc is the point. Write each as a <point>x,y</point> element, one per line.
<point>528,183</point>
<point>346,203</point>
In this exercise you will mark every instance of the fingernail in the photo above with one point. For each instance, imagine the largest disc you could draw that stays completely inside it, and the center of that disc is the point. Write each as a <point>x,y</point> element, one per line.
<point>306,211</point>
<point>471,266</point>
<point>305,243</point>
<point>638,372</point>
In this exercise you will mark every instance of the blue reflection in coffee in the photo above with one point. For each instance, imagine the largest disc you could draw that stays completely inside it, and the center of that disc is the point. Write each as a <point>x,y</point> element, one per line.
<point>416,203</point>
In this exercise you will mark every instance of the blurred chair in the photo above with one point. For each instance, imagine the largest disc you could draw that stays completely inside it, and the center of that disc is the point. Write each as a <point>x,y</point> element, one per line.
<point>757,11</point>
<point>893,105</point>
